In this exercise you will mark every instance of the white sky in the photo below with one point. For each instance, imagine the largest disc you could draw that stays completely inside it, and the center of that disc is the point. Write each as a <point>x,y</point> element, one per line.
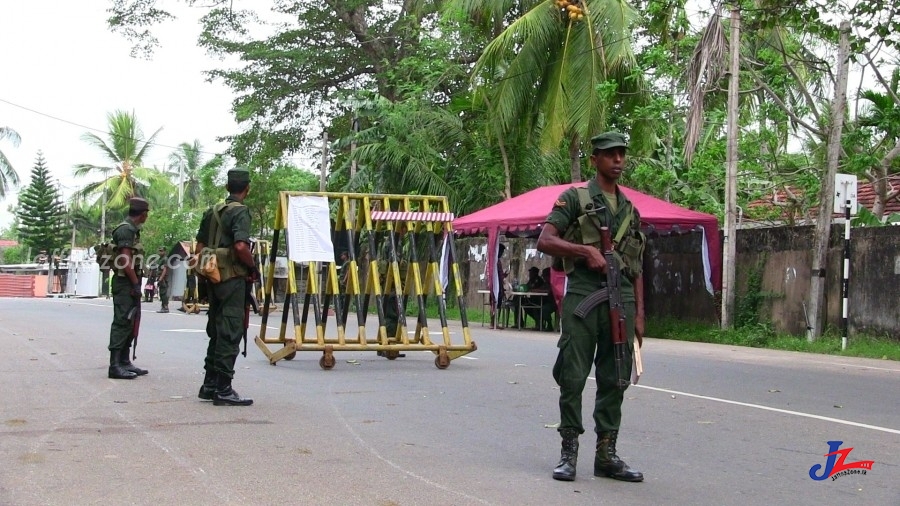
<point>59,58</point>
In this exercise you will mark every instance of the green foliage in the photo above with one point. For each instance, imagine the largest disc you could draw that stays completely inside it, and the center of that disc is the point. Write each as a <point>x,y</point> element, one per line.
<point>41,214</point>
<point>759,336</point>
<point>167,226</point>
<point>16,255</point>
<point>265,184</point>
<point>866,218</point>
<point>124,175</point>
<point>8,176</point>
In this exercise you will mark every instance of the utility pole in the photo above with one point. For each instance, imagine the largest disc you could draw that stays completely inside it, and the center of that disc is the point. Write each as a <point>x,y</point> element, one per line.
<point>180,183</point>
<point>324,160</point>
<point>731,168</point>
<point>826,195</point>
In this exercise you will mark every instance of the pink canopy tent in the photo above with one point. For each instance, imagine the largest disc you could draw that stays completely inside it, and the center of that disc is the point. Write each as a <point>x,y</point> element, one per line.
<point>524,215</point>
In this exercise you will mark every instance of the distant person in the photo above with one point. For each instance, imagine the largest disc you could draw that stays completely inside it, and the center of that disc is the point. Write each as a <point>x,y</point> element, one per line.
<point>162,282</point>
<point>127,271</point>
<point>501,288</point>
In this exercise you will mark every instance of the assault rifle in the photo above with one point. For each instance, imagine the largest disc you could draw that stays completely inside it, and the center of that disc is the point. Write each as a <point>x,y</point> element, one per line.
<point>134,316</point>
<point>613,293</point>
<point>250,303</point>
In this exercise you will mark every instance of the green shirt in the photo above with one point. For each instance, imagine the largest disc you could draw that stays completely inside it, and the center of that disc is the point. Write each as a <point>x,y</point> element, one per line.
<point>565,213</point>
<point>128,235</point>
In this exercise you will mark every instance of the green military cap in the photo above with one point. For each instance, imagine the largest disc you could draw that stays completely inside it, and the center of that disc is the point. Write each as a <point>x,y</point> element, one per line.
<point>239,175</point>
<point>138,204</point>
<point>609,140</point>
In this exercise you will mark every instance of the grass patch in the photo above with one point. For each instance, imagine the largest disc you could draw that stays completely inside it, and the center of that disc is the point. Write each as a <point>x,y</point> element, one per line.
<point>763,336</point>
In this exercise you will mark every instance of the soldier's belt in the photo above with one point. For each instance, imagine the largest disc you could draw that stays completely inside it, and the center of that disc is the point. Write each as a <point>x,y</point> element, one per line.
<point>591,301</point>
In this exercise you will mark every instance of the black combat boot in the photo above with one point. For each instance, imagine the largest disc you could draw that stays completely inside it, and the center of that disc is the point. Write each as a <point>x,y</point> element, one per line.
<point>116,371</point>
<point>607,463</point>
<point>208,388</point>
<point>568,459</point>
<point>125,361</point>
<point>227,396</point>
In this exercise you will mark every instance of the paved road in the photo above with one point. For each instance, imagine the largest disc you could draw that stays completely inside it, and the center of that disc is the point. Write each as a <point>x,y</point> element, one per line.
<point>708,425</point>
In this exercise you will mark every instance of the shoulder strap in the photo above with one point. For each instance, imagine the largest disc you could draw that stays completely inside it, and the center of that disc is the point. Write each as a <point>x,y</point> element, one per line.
<point>215,229</point>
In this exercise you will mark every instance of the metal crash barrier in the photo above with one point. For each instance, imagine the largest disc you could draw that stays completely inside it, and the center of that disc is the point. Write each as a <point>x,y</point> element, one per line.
<point>400,254</point>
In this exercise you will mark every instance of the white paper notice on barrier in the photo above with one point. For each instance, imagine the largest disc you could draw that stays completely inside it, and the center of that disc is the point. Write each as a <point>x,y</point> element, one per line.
<point>309,229</point>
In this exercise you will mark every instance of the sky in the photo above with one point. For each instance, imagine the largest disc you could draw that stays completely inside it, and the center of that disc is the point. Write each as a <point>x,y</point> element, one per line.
<point>62,71</point>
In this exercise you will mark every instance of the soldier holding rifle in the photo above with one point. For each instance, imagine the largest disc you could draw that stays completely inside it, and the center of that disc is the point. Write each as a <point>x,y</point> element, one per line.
<point>126,289</point>
<point>603,311</point>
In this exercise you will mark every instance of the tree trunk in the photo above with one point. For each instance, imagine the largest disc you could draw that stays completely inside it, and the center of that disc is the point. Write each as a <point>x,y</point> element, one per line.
<point>826,196</point>
<point>507,172</point>
<point>575,158</point>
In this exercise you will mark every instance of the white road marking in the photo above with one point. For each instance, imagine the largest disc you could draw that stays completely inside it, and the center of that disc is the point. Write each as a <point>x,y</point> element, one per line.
<point>776,410</point>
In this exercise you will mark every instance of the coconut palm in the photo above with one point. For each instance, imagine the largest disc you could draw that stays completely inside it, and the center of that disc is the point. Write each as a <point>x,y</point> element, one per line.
<point>186,166</point>
<point>8,176</point>
<point>562,65</point>
<point>124,175</point>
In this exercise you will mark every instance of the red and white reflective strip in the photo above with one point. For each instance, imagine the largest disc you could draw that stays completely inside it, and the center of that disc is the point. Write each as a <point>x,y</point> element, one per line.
<point>410,216</point>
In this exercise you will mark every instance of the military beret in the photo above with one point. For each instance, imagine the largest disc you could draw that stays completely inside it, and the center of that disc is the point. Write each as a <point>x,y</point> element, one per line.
<point>239,175</point>
<point>534,269</point>
<point>609,140</point>
<point>138,204</point>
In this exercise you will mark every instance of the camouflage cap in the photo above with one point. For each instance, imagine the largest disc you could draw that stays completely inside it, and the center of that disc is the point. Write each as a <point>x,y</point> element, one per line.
<point>609,140</point>
<point>239,175</point>
<point>138,204</point>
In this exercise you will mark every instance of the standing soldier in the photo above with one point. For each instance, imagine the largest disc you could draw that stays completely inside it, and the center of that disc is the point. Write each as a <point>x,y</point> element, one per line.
<point>225,227</point>
<point>572,232</point>
<point>126,289</point>
<point>163,281</point>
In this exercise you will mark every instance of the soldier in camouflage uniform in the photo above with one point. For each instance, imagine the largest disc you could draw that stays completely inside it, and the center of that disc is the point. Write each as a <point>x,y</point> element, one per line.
<point>227,299</point>
<point>586,342</point>
<point>126,289</point>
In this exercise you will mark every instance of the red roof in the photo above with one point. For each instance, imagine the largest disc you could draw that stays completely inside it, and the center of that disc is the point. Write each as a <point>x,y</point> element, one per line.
<point>865,197</point>
<point>8,243</point>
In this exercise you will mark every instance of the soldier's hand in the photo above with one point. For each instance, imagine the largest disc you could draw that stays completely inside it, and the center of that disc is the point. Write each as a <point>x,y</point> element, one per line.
<point>595,260</point>
<point>136,291</point>
<point>254,275</point>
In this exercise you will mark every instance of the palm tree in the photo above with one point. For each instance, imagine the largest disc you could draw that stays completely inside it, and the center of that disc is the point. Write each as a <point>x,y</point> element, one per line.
<point>186,165</point>
<point>124,176</point>
<point>8,176</point>
<point>560,71</point>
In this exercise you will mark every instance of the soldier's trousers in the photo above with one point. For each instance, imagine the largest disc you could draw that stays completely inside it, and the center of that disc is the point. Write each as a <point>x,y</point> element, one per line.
<point>164,293</point>
<point>121,329</point>
<point>585,343</point>
<point>225,325</point>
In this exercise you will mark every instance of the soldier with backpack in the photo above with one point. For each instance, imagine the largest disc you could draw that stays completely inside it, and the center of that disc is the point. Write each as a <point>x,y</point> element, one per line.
<point>572,232</point>
<point>224,233</point>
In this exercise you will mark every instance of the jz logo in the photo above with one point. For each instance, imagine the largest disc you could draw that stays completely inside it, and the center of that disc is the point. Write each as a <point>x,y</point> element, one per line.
<point>835,467</point>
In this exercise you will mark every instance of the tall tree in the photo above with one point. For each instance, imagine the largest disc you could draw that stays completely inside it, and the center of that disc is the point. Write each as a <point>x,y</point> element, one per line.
<point>565,68</point>
<point>41,214</point>
<point>186,167</point>
<point>8,176</point>
<point>124,175</point>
